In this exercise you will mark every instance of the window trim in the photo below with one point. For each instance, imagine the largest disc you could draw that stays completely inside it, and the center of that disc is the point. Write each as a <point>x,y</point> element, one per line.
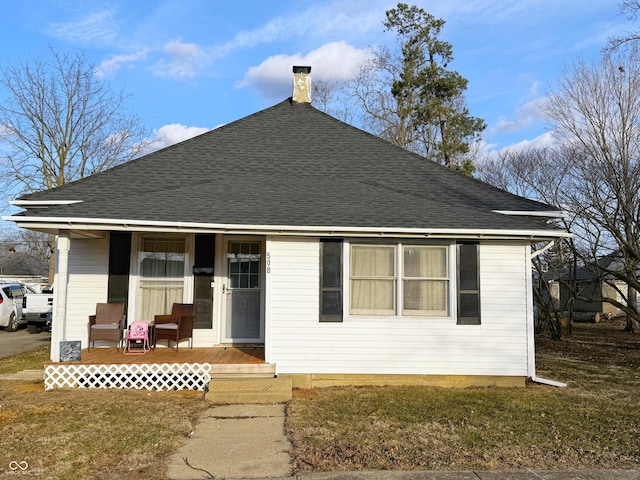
<point>446,279</point>
<point>399,245</point>
<point>393,278</point>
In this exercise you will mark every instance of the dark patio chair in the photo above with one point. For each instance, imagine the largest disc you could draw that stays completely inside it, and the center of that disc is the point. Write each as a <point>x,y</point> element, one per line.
<point>107,323</point>
<point>177,326</point>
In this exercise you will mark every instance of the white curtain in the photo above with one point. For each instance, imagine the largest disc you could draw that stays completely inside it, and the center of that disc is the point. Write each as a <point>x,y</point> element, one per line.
<point>373,281</point>
<point>425,280</point>
<point>162,263</point>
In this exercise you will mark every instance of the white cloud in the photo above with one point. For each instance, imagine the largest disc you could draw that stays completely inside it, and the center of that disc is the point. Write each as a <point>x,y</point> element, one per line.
<point>545,140</point>
<point>524,116</point>
<point>336,61</point>
<point>171,134</point>
<point>527,114</point>
<point>110,66</point>
<point>342,19</point>
<point>184,60</point>
<point>97,27</point>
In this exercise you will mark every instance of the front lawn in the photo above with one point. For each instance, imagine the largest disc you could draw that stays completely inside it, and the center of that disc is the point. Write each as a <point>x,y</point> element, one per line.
<point>593,423</point>
<point>88,434</point>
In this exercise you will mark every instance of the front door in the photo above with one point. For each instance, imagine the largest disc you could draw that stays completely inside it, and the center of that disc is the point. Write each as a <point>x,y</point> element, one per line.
<point>242,293</point>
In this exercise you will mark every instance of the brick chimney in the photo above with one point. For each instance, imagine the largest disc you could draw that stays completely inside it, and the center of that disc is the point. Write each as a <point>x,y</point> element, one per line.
<point>302,84</point>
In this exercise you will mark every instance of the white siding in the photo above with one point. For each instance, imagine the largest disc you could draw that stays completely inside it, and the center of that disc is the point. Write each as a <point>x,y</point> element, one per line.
<point>298,343</point>
<point>88,277</point>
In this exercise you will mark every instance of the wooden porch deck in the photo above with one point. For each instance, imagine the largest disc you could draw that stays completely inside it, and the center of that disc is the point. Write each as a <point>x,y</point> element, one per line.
<point>213,355</point>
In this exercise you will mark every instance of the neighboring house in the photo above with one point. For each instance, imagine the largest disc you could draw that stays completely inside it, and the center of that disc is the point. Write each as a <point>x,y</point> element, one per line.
<point>351,260</point>
<point>591,282</point>
<point>22,267</point>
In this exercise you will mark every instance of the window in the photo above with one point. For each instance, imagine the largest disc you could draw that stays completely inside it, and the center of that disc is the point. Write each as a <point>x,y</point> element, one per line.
<point>425,280</point>
<point>373,280</point>
<point>162,272</point>
<point>330,280</point>
<point>423,273</point>
<point>468,284</point>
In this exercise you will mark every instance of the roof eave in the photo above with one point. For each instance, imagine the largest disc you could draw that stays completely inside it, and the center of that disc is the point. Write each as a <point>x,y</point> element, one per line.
<point>97,224</point>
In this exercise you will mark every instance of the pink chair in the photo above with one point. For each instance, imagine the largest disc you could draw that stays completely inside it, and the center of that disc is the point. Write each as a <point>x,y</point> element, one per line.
<point>137,335</point>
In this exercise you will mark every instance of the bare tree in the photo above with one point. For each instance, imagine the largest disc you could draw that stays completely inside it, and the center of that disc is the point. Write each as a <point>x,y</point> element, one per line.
<point>594,173</point>
<point>631,8</point>
<point>62,123</point>
<point>539,174</point>
<point>380,112</point>
<point>595,111</point>
<point>328,96</point>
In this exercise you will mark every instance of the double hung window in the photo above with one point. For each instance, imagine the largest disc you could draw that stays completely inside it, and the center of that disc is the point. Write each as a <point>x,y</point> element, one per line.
<point>414,277</point>
<point>425,280</point>
<point>373,280</point>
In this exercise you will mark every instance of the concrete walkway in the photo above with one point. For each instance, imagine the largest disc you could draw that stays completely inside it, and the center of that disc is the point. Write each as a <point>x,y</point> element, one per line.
<point>478,475</point>
<point>26,375</point>
<point>235,441</point>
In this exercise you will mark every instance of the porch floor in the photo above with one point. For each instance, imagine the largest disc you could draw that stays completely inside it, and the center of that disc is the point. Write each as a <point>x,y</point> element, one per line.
<point>212,355</point>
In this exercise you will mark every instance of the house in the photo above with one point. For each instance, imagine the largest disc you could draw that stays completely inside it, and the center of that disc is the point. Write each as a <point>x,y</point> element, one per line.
<point>349,259</point>
<point>593,282</point>
<point>23,267</point>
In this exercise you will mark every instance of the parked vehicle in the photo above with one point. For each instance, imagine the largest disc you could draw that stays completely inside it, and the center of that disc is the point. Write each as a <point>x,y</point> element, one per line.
<point>38,310</point>
<point>11,299</point>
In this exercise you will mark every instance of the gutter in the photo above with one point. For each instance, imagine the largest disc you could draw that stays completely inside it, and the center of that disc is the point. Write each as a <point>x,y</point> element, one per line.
<point>544,381</point>
<point>73,223</point>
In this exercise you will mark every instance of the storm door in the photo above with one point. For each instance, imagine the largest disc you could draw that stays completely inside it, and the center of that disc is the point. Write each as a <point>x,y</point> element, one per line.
<point>242,292</point>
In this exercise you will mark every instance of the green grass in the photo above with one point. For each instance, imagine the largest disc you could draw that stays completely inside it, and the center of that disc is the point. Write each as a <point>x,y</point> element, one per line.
<point>593,423</point>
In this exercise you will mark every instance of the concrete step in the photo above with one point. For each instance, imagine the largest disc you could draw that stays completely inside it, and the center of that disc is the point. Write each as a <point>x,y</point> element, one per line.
<point>249,390</point>
<point>244,370</point>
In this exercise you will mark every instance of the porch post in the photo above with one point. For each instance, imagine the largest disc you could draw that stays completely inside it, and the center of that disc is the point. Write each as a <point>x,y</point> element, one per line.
<point>59,321</point>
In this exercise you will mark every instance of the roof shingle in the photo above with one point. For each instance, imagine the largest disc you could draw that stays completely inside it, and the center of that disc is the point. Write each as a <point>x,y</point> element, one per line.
<point>293,165</point>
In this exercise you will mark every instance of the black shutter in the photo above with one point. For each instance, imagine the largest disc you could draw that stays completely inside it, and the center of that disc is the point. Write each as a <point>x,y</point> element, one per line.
<point>203,276</point>
<point>330,280</point>
<point>468,283</point>
<point>119,261</point>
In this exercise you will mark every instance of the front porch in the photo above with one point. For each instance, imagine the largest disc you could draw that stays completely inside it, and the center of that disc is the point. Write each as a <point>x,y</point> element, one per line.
<point>222,355</point>
<point>243,368</point>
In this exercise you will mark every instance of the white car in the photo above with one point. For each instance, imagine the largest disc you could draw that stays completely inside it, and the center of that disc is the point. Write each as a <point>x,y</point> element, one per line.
<point>11,306</point>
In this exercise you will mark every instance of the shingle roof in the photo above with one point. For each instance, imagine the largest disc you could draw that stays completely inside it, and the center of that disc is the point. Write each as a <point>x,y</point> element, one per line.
<point>293,165</point>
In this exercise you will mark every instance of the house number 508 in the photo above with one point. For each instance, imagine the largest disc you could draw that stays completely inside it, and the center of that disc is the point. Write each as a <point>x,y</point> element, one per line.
<point>268,262</point>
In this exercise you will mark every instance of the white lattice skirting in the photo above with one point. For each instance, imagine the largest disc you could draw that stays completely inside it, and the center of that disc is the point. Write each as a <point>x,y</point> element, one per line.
<point>144,376</point>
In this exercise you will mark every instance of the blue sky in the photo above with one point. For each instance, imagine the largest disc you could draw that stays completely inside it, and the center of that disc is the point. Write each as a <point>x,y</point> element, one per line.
<point>192,65</point>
